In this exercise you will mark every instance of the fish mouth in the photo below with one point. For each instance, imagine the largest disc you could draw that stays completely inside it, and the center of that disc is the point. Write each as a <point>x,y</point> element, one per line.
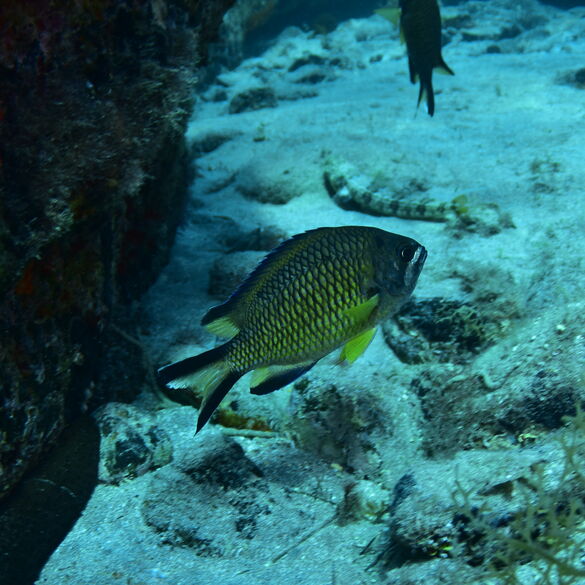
<point>414,269</point>
<point>420,257</point>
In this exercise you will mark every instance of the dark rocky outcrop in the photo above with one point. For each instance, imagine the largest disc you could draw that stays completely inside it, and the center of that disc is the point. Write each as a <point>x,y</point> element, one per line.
<point>94,100</point>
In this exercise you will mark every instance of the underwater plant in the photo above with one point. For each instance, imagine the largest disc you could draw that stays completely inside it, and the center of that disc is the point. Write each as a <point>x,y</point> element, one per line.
<point>543,540</point>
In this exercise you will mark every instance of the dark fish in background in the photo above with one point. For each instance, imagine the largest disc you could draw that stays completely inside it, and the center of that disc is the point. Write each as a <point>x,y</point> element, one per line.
<point>315,292</point>
<point>420,22</point>
<point>420,28</point>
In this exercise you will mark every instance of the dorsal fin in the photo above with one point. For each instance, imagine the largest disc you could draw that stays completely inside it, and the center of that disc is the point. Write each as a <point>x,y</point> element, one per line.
<point>227,317</point>
<point>220,326</point>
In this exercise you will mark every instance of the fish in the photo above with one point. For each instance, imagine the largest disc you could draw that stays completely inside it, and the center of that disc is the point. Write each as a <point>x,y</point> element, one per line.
<point>316,292</point>
<point>420,23</point>
<point>420,28</point>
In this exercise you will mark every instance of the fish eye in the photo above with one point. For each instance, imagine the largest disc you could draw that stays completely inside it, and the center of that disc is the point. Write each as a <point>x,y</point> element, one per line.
<point>407,252</point>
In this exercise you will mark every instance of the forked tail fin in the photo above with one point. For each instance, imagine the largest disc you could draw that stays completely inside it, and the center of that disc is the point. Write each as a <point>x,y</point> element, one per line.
<point>207,375</point>
<point>427,93</point>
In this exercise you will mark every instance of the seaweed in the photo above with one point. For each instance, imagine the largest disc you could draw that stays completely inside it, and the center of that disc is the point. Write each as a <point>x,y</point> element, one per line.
<point>544,536</point>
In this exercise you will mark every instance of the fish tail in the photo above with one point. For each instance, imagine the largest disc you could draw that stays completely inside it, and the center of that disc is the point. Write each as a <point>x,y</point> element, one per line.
<point>426,91</point>
<point>207,374</point>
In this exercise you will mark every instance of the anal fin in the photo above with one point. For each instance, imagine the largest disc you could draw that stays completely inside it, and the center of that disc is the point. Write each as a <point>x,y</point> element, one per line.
<point>442,67</point>
<point>271,378</point>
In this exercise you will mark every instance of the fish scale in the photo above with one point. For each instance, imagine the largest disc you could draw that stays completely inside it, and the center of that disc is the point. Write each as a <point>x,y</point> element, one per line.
<point>317,291</point>
<point>286,338</point>
<point>302,307</point>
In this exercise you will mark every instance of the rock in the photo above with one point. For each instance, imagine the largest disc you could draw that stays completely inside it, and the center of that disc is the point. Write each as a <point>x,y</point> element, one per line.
<point>313,75</point>
<point>441,330</point>
<point>275,181</point>
<point>496,509</point>
<point>434,572</point>
<point>94,178</point>
<point>244,16</point>
<point>424,519</point>
<point>364,500</point>
<point>263,238</point>
<point>212,500</point>
<point>252,99</point>
<point>575,78</point>
<point>523,386</point>
<point>220,464</point>
<point>210,141</point>
<point>336,425</point>
<point>131,443</point>
<point>262,20</point>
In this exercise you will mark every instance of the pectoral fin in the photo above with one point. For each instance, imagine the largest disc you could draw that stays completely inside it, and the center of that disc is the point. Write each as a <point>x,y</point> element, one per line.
<point>356,346</point>
<point>389,13</point>
<point>444,68</point>
<point>361,313</point>
<point>271,378</point>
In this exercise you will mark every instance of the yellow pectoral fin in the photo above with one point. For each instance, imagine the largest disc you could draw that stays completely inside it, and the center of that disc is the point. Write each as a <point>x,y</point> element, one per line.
<point>223,327</point>
<point>355,347</point>
<point>389,13</point>
<point>361,313</point>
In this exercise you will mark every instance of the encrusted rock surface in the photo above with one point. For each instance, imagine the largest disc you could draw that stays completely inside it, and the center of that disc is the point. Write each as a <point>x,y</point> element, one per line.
<point>94,100</point>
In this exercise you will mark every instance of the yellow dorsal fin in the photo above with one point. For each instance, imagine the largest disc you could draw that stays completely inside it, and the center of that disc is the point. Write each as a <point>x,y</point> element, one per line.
<point>356,346</point>
<point>222,327</point>
<point>360,313</point>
